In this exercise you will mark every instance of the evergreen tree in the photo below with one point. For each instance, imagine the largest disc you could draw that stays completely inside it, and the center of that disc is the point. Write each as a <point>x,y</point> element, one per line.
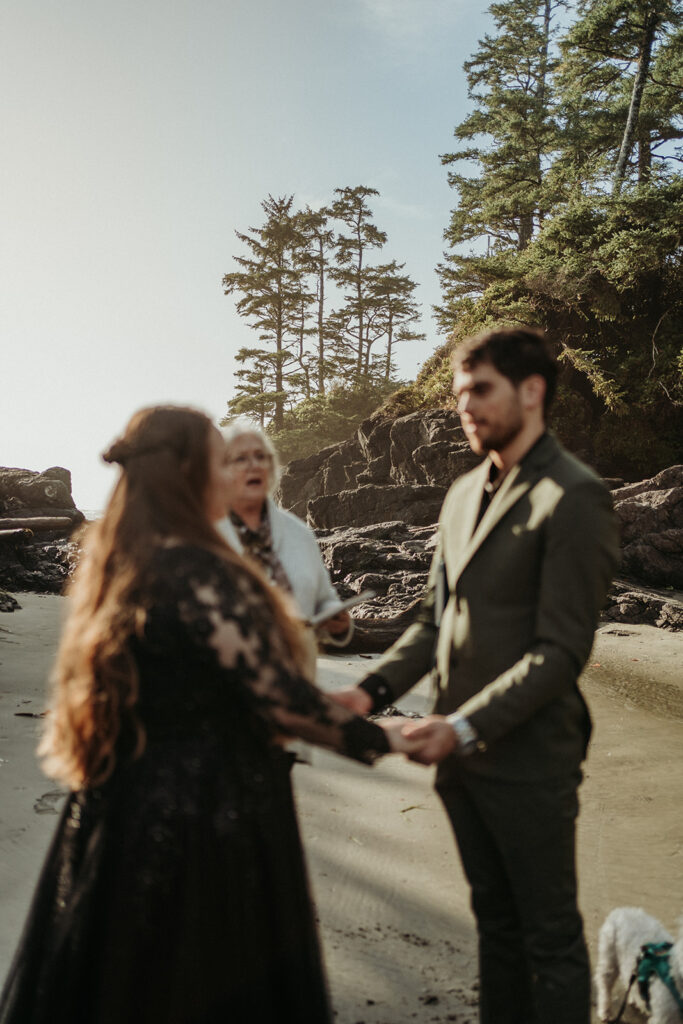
<point>603,270</point>
<point>352,272</point>
<point>314,259</point>
<point>512,135</point>
<point>397,310</point>
<point>319,362</point>
<point>619,91</point>
<point>253,396</point>
<point>271,288</point>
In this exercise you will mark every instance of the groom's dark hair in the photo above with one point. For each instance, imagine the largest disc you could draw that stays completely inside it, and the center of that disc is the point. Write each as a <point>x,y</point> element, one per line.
<point>516,352</point>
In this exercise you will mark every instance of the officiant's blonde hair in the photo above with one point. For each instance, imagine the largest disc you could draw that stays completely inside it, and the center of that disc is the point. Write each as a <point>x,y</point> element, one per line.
<point>241,426</point>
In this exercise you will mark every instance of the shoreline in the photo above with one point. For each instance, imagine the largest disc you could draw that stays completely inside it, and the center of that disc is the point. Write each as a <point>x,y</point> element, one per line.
<point>393,908</point>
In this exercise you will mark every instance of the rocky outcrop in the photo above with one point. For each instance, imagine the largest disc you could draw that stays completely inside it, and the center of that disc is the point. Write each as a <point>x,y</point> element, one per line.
<point>393,559</point>
<point>8,603</point>
<point>390,558</point>
<point>651,516</point>
<point>26,495</point>
<point>394,469</point>
<point>418,505</point>
<point>37,518</point>
<point>630,603</point>
<point>375,499</point>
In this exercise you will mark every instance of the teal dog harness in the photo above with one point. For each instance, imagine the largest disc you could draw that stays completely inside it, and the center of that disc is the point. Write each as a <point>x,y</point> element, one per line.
<point>654,960</point>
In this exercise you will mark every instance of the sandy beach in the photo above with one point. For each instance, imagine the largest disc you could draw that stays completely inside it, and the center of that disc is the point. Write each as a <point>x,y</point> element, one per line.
<point>392,903</point>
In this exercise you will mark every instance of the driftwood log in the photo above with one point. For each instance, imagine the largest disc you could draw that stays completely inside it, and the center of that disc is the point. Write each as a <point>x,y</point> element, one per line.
<point>14,534</point>
<point>56,524</point>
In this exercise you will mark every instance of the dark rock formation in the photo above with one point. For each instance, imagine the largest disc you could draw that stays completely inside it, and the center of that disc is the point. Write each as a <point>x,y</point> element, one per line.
<point>651,516</point>
<point>37,518</point>
<point>628,602</point>
<point>8,603</point>
<point>398,469</point>
<point>390,558</point>
<point>416,504</point>
<point>393,560</point>
<point>25,494</point>
<point>374,501</point>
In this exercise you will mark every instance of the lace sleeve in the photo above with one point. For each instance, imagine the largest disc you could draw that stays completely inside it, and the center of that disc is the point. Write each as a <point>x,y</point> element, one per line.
<point>224,611</point>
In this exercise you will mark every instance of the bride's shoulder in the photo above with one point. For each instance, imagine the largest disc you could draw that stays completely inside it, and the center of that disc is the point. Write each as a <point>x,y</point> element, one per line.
<point>188,561</point>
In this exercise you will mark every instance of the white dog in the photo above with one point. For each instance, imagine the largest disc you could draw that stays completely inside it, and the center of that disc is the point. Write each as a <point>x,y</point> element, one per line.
<point>625,930</point>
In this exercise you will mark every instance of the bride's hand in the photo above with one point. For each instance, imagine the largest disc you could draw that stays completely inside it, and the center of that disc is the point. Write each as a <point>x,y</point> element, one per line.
<point>398,743</point>
<point>354,699</point>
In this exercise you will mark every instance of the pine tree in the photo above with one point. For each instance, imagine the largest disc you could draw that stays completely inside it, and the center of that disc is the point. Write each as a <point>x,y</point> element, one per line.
<point>397,310</point>
<point>253,396</point>
<point>603,271</point>
<point>352,272</point>
<point>315,261</point>
<point>512,135</point>
<point>271,288</point>
<point>619,91</point>
<point>318,361</point>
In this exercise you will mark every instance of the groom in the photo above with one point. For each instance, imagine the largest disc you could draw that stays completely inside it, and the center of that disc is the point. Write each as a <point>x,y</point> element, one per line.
<point>526,550</point>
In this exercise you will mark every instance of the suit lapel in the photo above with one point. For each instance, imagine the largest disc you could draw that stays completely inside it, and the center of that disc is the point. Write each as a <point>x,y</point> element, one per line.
<point>460,523</point>
<point>515,485</point>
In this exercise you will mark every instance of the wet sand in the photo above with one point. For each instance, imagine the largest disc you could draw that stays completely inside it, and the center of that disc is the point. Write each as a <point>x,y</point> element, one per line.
<point>393,907</point>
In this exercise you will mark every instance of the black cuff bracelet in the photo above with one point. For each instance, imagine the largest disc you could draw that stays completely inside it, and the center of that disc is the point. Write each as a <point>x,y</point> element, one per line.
<point>379,690</point>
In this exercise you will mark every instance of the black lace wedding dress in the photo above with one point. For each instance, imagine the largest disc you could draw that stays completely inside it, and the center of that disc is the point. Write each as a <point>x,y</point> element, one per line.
<point>176,892</point>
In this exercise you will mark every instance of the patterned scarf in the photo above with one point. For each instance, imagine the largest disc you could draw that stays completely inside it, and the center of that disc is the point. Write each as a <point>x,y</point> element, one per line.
<point>258,544</point>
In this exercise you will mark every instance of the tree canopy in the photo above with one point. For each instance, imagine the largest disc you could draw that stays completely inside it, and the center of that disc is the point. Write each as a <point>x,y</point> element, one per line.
<point>572,217</point>
<point>568,215</point>
<point>327,314</point>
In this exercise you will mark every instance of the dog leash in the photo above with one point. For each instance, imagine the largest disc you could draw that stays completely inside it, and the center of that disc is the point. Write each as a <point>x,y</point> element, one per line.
<point>652,959</point>
<point>620,1013</point>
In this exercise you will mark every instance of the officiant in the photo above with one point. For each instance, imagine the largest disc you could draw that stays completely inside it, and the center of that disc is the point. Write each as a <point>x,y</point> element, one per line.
<point>282,544</point>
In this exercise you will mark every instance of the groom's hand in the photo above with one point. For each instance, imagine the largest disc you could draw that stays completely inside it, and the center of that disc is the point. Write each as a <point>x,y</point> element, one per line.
<point>437,739</point>
<point>399,743</point>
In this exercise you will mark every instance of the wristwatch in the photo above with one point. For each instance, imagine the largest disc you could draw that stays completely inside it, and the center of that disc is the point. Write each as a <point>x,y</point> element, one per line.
<point>467,735</point>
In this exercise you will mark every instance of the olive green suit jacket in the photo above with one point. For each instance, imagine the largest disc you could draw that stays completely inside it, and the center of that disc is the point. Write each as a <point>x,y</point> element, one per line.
<point>510,611</point>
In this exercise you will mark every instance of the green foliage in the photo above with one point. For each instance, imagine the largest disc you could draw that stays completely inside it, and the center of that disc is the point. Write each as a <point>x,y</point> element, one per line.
<point>569,216</point>
<point>601,272</point>
<point>510,134</point>
<point>609,43</point>
<point>272,294</point>
<point>283,284</point>
<point>604,277</point>
<point>322,420</point>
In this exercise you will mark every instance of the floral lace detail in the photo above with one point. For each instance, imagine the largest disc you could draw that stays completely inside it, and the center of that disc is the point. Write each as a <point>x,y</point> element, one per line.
<point>177,891</point>
<point>226,616</point>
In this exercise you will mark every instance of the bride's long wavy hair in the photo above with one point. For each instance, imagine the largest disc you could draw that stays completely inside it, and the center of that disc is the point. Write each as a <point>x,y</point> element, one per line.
<point>160,496</point>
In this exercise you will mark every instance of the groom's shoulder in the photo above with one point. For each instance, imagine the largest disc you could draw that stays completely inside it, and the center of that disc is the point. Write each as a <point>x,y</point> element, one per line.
<point>463,483</point>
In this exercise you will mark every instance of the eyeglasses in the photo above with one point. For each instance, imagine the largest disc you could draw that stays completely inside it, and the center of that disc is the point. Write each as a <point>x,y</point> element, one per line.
<point>258,459</point>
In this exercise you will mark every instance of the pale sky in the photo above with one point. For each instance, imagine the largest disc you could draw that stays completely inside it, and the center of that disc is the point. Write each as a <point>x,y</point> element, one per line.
<point>138,136</point>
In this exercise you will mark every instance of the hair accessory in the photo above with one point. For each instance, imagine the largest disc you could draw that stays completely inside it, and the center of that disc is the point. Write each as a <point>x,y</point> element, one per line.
<point>121,453</point>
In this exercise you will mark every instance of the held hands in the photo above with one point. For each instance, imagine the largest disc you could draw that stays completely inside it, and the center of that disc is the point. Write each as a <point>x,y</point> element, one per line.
<point>399,743</point>
<point>426,741</point>
<point>434,736</point>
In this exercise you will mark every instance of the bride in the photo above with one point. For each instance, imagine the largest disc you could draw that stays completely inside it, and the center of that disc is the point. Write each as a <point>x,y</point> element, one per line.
<point>175,889</point>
